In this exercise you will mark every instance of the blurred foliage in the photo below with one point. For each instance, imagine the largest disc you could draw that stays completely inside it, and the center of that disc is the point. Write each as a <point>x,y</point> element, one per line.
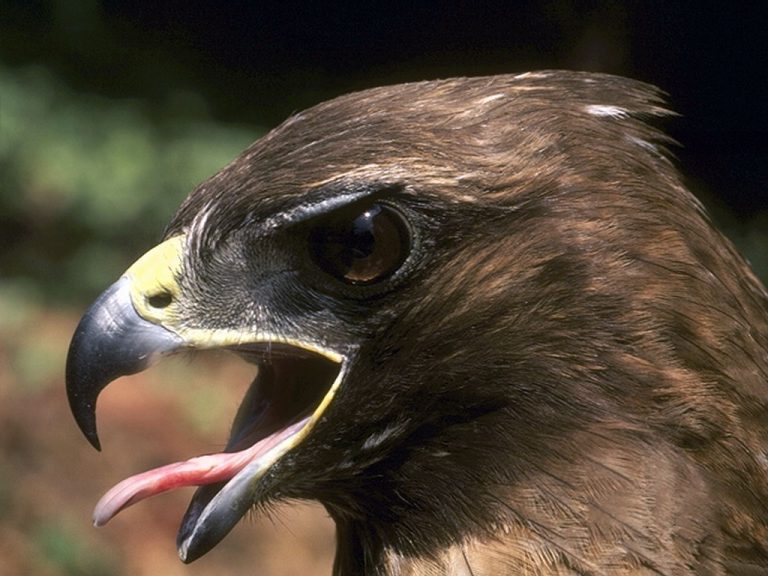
<point>749,233</point>
<point>65,550</point>
<point>752,240</point>
<point>89,182</point>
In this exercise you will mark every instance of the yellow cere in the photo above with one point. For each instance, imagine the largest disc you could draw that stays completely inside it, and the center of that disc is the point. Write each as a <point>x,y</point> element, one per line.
<point>153,276</point>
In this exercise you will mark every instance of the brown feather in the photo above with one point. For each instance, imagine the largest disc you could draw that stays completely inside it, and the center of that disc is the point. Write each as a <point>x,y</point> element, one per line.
<point>580,358</point>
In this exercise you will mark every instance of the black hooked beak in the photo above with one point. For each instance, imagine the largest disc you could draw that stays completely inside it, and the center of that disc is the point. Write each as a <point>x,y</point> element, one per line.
<point>112,340</point>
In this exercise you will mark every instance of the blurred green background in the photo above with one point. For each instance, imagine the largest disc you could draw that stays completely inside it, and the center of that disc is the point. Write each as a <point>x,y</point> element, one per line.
<point>111,112</point>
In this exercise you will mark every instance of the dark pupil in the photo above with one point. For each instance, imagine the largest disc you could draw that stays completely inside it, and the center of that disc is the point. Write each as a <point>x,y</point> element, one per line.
<point>361,247</point>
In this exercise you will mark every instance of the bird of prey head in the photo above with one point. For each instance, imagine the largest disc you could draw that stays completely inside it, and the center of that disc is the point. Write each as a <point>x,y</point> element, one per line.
<point>495,335</point>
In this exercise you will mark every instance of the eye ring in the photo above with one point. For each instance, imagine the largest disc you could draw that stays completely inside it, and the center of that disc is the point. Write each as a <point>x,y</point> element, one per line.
<point>361,245</point>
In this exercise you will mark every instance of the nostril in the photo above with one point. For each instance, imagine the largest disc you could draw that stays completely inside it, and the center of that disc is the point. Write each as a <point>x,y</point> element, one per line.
<point>160,300</point>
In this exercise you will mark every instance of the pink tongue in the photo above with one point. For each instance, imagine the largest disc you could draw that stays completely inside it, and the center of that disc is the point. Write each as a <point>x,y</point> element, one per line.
<point>193,472</point>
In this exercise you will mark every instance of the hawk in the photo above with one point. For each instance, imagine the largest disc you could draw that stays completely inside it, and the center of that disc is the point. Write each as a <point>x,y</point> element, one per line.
<point>495,335</point>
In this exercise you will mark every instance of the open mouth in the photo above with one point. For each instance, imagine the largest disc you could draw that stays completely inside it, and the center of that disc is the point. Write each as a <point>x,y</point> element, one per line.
<point>292,389</point>
<point>295,384</point>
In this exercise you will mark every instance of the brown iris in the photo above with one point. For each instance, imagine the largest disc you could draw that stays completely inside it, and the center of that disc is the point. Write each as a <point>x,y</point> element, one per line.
<point>361,245</point>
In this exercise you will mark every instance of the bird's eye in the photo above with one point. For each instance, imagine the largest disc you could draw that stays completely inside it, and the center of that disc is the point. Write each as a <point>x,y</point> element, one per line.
<point>361,246</point>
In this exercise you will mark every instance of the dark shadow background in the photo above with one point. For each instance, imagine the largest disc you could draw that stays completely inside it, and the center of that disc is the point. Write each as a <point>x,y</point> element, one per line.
<point>111,111</point>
